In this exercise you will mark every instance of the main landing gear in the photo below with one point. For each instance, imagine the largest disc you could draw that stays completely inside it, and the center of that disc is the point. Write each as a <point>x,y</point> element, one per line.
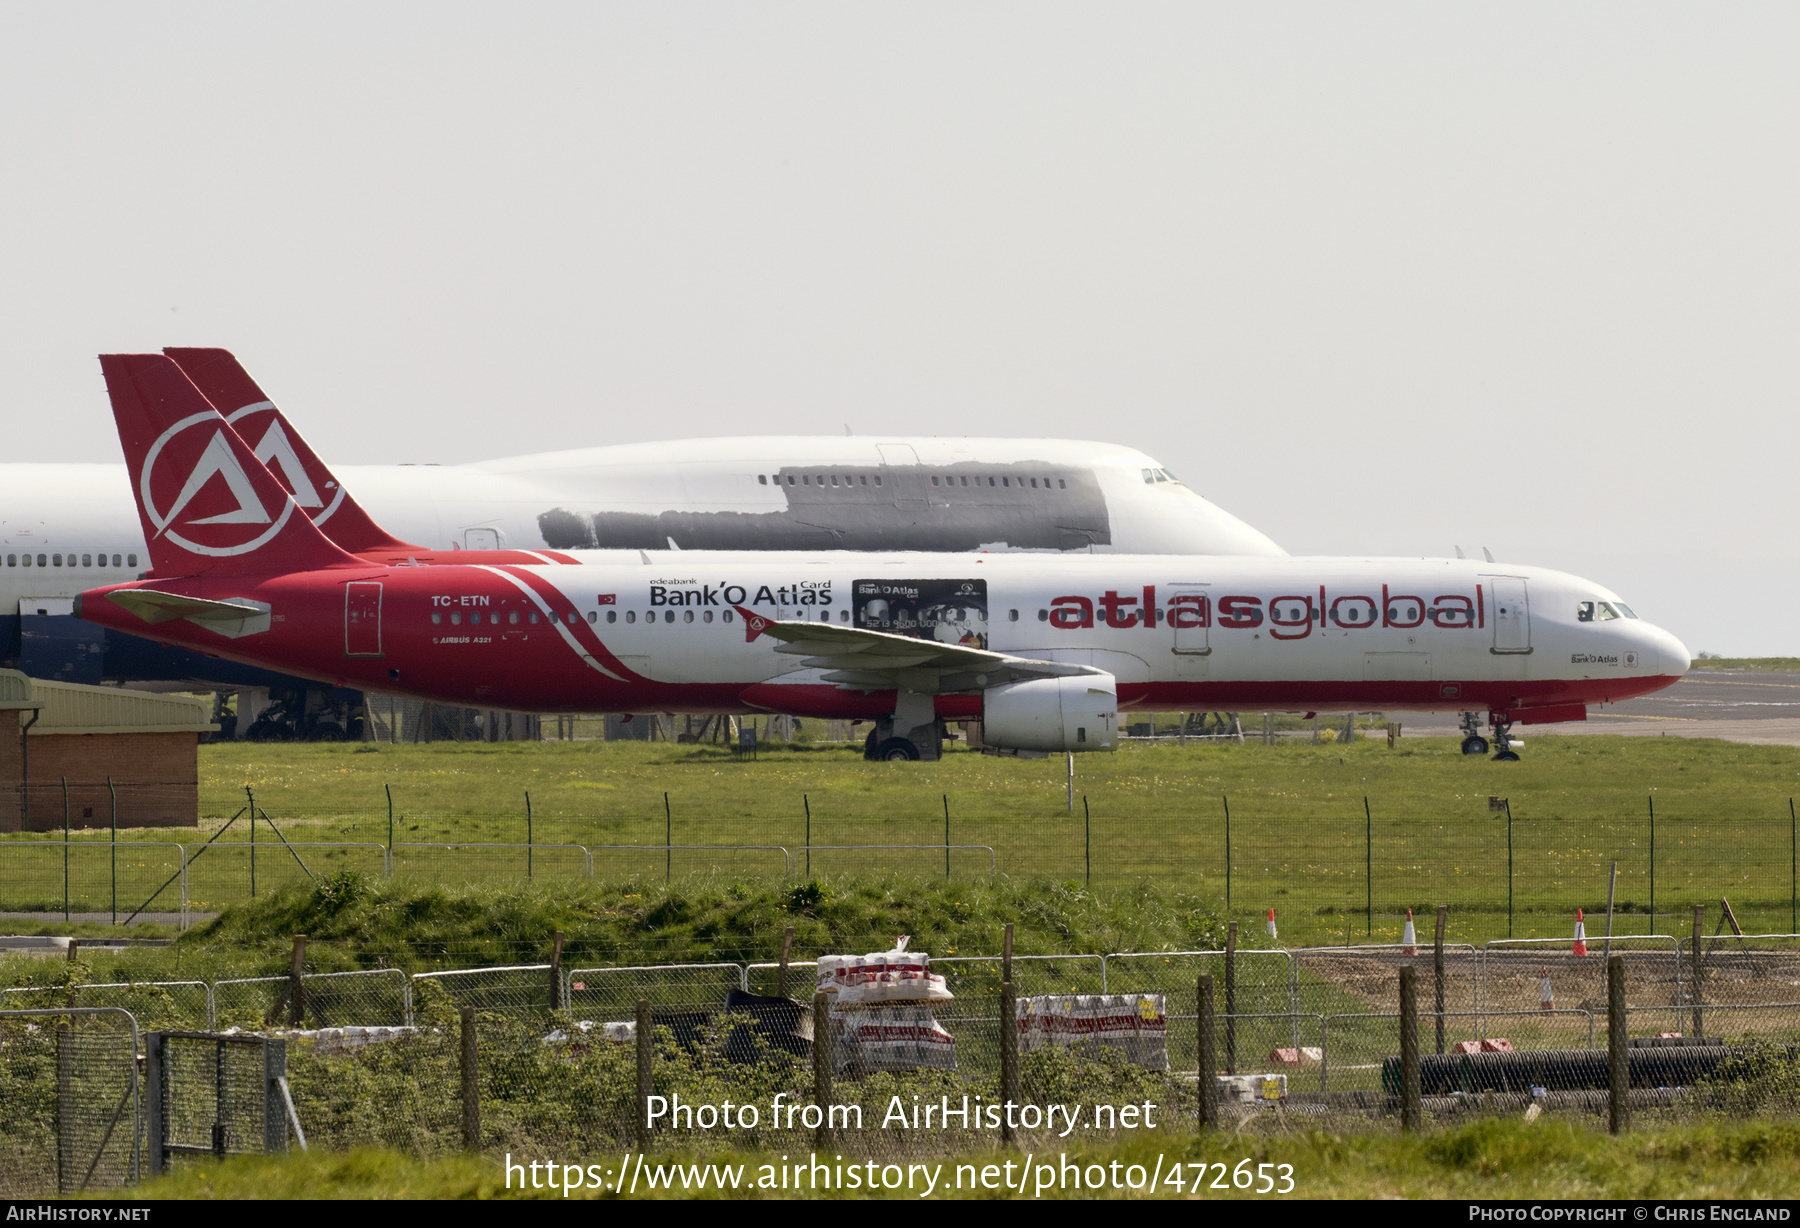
<point>1503,739</point>
<point>1474,744</point>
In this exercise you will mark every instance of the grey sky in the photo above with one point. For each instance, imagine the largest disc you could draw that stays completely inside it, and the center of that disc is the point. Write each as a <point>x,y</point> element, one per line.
<point>1377,278</point>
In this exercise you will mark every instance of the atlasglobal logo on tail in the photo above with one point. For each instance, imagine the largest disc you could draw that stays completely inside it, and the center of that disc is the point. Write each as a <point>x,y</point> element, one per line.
<point>276,451</point>
<point>192,472</point>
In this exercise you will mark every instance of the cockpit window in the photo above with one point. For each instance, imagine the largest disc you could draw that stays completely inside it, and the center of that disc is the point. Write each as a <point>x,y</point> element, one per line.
<point>1170,476</point>
<point>1149,477</point>
<point>1624,609</point>
<point>1584,612</point>
<point>1605,612</point>
<point>1597,611</point>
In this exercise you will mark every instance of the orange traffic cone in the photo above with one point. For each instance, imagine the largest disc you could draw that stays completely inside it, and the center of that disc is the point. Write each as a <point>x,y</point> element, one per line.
<point>1271,925</point>
<point>1546,995</point>
<point>1409,939</point>
<point>1580,934</point>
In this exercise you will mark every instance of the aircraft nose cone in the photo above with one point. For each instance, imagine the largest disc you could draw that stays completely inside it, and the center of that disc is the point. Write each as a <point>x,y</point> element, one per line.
<point>1671,655</point>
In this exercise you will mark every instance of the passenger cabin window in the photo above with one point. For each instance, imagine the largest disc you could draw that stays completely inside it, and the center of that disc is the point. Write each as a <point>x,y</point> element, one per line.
<point>630,616</point>
<point>612,616</point>
<point>130,558</point>
<point>1043,616</point>
<point>436,618</point>
<point>1012,616</point>
<point>762,479</point>
<point>593,617</point>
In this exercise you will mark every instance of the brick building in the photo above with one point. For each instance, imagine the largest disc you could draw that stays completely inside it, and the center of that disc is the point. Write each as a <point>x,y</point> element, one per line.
<point>62,743</point>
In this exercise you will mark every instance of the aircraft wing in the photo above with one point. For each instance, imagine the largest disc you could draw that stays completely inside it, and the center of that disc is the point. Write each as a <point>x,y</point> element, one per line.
<point>860,659</point>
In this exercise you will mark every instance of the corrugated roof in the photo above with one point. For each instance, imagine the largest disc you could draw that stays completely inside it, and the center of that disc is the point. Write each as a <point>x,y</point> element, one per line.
<point>68,707</point>
<point>15,691</point>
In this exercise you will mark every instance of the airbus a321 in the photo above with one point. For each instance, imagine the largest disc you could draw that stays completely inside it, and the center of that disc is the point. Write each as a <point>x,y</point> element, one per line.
<point>1044,651</point>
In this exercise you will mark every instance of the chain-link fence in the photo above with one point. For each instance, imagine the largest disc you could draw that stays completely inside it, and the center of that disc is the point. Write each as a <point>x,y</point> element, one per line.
<point>1526,974</point>
<point>521,989</point>
<point>1081,1047</point>
<point>213,1094</point>
<point>94,880</point>
<point>1353,866</point>
<point>376,997</point>
<point>69,1101</point>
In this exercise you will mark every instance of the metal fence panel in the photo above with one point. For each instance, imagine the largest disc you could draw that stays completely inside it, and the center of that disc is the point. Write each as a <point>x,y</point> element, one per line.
<point>210,1094</point>
<point>375,997</point>
<point>1514,972</point>
<point>71,1097</point>
<point>1751,970</point>
<point>1361,978</point>
<point>155,1004</point>
<point>483,862</point>
<point>89,879</point>
<point>519,988</point>
<point>612,994</point>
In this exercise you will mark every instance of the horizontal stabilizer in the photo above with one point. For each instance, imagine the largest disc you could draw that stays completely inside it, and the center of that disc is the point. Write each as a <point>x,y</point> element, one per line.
<point>227,618</point>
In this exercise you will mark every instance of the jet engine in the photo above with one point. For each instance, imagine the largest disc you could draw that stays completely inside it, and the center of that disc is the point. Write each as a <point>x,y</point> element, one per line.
<point>1052,714</point>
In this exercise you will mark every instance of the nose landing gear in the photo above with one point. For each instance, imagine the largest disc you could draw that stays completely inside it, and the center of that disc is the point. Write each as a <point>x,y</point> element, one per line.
<point>1473,743</point>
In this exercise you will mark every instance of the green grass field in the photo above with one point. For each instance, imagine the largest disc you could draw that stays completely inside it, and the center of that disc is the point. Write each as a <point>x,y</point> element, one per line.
<point>1492,1159</point>
<point>1300,840</point>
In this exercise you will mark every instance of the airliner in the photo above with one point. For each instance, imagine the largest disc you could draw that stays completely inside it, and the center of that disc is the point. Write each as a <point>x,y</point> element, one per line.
<point>68,527</point>
<point>1044,651</point>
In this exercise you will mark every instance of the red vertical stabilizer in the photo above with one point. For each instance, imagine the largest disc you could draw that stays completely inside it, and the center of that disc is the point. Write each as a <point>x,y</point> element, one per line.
<point>208,505</point>
<point>222,380</point>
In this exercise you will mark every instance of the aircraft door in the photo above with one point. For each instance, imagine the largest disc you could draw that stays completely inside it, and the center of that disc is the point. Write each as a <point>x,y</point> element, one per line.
<point>1512,614</point>
<point>362,619</point>
<point>1190,625</point>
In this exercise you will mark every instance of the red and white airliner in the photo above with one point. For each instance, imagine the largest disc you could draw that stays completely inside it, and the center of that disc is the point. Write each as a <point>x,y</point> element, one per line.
<point>1044,650</point>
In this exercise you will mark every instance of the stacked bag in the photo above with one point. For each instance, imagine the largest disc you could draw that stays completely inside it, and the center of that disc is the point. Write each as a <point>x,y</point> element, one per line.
<point>1134,1025</point>
<point>898,975</point>
<point>881,1017</point>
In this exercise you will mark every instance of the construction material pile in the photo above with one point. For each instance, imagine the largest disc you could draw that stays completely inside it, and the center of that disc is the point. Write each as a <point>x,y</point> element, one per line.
<point>1133,1025</point>
<point>881,1017</point>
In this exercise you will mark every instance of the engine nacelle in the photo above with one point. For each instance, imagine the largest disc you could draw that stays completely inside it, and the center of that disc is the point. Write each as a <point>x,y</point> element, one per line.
<point>1052,714</point>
